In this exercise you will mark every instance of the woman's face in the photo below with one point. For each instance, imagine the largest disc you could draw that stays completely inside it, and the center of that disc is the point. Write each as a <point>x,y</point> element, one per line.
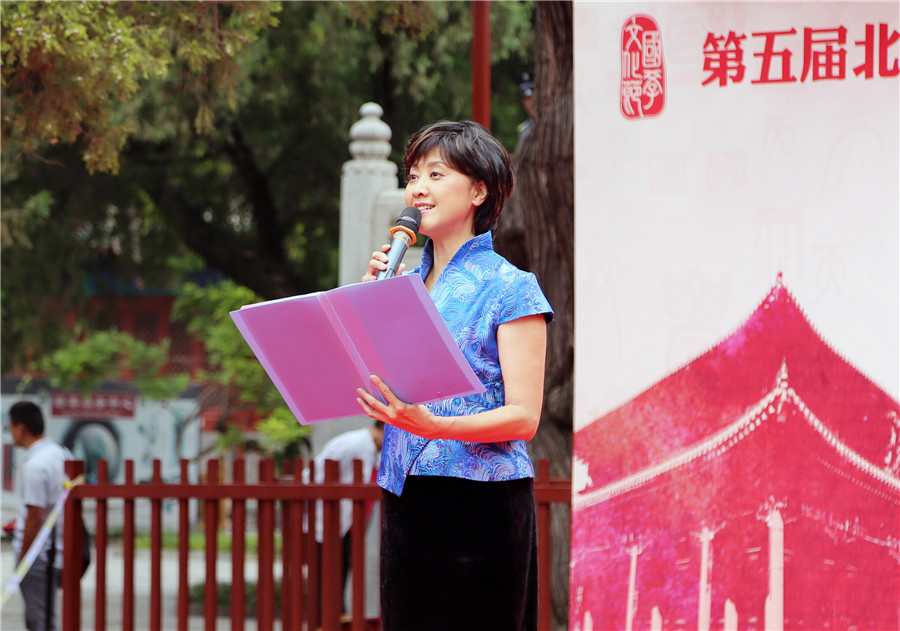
<point>447,198</point>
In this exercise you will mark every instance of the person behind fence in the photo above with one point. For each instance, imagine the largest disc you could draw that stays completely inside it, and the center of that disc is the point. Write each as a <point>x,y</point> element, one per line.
<point>458,547</point>
<point>40,483</point>
<point>359,444</point>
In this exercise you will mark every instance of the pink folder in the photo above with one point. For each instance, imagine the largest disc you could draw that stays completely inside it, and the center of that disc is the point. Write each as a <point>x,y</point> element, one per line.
<point>319,348</point>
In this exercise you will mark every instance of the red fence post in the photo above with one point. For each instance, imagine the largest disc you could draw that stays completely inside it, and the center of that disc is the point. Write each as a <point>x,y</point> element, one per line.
<point>265,586</point>
<point>313,562</point>
<point>331,553</point>
<point>292,551</point>
<point>238,550</point>
<point>156,553</point>
<point>101,536</point>
<point>211,522</point>
<point>184,535</point>
<point>128,553</point>
<point>71,575</point>
<point>545,601</point>
<point>287,578</point>
<point>358,553</point>
<point>301,551</point>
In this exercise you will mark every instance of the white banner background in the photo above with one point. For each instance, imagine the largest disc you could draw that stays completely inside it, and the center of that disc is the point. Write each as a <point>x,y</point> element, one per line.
<point>683,221</point>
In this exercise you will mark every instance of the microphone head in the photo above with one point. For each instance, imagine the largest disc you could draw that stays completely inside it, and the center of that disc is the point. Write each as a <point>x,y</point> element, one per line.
<point>410,218</point>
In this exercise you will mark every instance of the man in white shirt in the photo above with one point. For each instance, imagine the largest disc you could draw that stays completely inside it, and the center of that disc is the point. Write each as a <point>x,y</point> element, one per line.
<point>360,444</point>
<point>40,483</point>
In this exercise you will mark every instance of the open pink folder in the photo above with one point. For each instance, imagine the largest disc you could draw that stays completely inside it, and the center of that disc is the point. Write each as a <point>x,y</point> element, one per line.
<point>319,348</point>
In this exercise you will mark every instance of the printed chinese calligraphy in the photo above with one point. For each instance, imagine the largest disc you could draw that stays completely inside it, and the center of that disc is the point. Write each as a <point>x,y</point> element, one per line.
<point>824,55</point>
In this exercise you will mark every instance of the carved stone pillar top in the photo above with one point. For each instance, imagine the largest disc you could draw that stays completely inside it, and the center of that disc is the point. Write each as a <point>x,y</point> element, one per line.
<point>370,136</point>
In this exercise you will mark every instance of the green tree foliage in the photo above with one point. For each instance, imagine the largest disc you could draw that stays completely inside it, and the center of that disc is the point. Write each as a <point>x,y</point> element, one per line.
<point>87,363</point>
<point>70,68</point>
<point>73,75</point>
<point>234,138</point>
<point>246,389</point>
<point>109,356</point>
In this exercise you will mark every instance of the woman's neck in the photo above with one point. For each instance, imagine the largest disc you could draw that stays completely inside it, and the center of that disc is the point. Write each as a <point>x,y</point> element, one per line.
<point>444,251</point>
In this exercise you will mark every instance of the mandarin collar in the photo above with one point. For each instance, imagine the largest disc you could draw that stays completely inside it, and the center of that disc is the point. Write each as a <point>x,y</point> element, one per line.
<point>479,243</point>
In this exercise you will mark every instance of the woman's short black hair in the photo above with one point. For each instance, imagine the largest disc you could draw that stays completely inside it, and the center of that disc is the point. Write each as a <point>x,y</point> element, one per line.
<point>470,149</point>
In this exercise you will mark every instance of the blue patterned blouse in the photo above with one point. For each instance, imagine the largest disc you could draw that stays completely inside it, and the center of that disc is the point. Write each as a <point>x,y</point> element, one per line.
<point>477,292</point>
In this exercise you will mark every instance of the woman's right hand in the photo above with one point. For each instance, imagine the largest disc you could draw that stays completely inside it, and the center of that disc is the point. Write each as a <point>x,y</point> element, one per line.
<point>378,263</point>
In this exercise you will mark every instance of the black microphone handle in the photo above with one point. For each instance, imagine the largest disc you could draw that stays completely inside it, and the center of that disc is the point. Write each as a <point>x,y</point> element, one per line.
<point>399,244</point>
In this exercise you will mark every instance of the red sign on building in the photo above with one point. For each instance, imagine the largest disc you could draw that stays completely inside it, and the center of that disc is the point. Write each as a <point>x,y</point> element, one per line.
<point>643,89</point>
<point>95,406</point>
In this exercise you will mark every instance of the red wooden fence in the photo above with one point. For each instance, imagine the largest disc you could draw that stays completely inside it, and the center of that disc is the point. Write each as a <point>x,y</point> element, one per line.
<point>301,602</point>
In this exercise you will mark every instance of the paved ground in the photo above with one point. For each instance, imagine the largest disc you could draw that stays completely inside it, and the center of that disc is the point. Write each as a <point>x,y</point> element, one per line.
<point>12,615</point>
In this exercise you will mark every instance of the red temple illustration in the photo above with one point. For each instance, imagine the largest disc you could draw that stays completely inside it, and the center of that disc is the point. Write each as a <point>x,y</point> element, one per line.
<point>757,487</point>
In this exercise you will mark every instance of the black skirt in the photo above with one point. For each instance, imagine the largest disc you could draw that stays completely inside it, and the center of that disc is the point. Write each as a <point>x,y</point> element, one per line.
<point>459,555</point>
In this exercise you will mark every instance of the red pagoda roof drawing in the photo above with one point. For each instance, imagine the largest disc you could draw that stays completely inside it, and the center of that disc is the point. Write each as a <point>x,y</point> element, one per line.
<point>766,409</point>
<point>757,486</point>
<point>714,399</point>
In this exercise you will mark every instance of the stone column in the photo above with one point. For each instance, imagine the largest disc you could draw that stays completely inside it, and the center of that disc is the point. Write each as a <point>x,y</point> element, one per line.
<point>363,179</point>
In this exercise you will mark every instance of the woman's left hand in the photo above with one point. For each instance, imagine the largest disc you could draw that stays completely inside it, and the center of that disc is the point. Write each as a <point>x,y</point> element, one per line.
<point>416,419</point>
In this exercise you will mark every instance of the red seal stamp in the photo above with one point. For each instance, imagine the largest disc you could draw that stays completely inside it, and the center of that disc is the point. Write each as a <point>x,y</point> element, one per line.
<point>643,90</point>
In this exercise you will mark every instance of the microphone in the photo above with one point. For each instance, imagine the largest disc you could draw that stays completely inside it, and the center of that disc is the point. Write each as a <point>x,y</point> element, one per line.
<point>403,235</point>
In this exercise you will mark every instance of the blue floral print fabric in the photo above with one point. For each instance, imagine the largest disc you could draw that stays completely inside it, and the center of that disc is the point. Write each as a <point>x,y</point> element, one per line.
<point>477,292</point>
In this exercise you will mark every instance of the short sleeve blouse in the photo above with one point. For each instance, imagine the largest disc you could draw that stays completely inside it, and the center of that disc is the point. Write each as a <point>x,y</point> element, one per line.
<point>477,292</point>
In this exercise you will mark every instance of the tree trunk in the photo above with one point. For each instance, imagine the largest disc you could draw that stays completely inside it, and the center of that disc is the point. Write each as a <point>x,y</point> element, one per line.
<point>535,233</point>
